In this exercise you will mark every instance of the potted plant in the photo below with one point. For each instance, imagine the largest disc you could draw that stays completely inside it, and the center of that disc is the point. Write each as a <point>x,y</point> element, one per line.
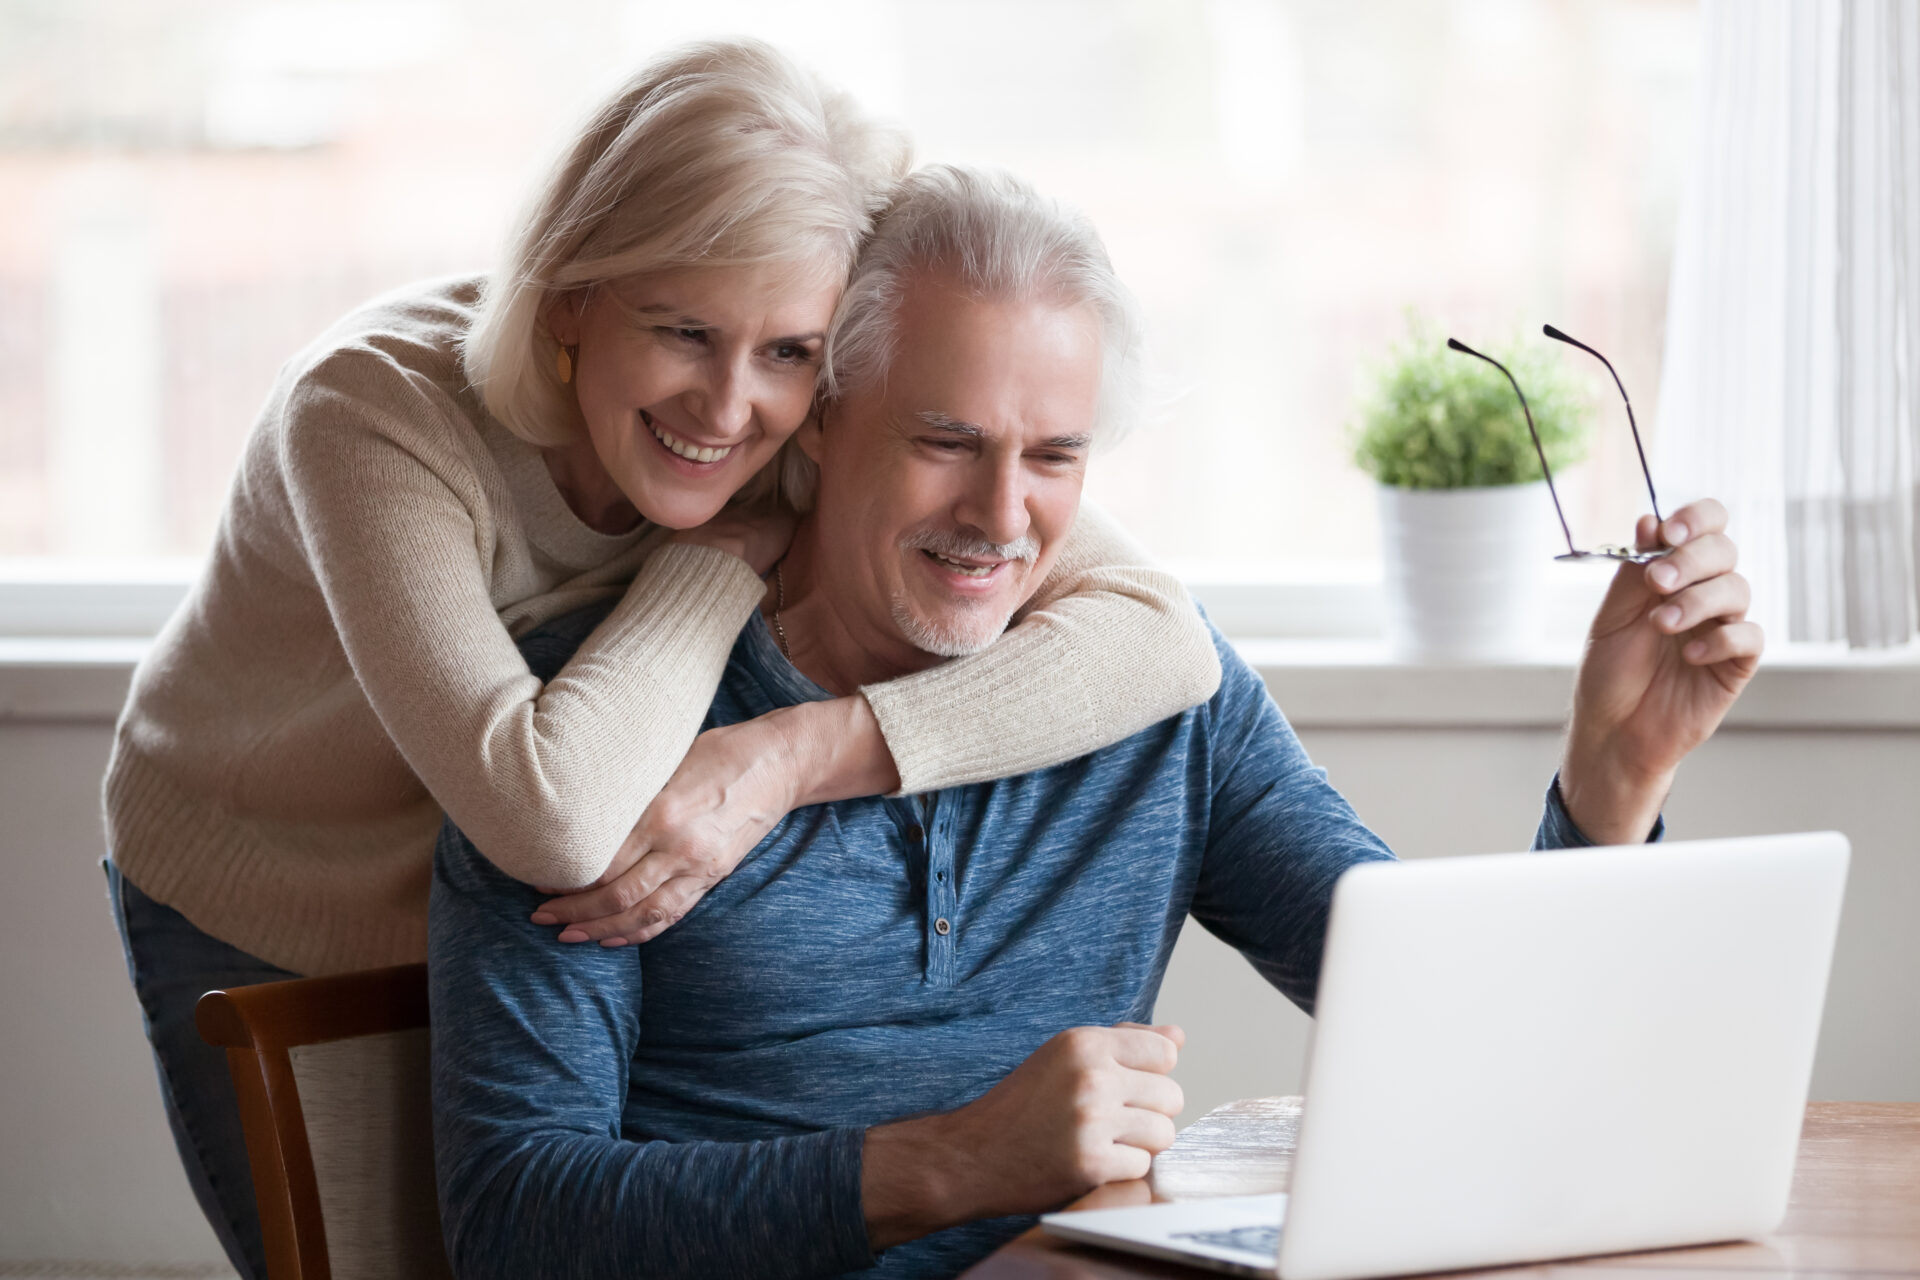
<point>1466,523</point>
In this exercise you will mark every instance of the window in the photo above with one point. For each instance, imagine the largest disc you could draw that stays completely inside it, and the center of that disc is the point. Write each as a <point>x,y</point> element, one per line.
<point>194,189</point>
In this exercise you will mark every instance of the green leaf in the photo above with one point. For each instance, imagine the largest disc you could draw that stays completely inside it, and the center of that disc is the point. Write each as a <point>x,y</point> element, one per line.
<point>1439,419</point>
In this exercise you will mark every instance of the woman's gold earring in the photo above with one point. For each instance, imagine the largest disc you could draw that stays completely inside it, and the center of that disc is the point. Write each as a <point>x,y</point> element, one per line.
<point>565,366</point>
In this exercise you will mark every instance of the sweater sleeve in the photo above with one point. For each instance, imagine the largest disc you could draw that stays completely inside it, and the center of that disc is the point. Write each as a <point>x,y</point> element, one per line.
<point>1108,646</point>
<point>548,780</point>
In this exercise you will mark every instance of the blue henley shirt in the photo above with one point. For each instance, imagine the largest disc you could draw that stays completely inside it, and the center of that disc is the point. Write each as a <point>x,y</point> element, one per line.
<point>695,1106</point>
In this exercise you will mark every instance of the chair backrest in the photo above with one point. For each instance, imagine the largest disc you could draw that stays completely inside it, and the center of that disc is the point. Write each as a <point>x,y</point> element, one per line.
<point>332,1079</point>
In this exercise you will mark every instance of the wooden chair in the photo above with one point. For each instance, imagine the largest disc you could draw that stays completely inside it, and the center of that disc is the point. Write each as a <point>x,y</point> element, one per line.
<point>332,1080</point>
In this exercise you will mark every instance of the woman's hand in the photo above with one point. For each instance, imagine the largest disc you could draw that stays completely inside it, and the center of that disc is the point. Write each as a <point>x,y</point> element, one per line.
<point>736,783</point>
<point>759,536</point>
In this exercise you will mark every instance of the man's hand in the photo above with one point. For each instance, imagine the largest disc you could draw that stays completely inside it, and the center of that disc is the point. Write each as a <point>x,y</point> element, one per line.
<point>1092,1105</point>
<point>736,782</point>
<point>1667,655</point>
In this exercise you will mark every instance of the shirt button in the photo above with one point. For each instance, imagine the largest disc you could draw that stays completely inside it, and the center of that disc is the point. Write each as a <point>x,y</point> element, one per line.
<point>916,832</point>
<point>941,927</point>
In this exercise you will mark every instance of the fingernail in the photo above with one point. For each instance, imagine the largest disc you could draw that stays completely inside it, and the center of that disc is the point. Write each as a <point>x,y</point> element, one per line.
<point>1667,615</point>
<point>1676,533</point>
<point>544,917</point>
<point>573,935</point>
<point>1664,575</point>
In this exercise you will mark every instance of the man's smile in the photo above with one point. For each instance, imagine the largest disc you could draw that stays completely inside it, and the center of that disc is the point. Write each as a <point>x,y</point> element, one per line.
<point>968,567</point>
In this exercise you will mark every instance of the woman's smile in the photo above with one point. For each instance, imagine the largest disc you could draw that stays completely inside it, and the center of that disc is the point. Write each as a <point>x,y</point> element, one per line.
<point>685,450</point>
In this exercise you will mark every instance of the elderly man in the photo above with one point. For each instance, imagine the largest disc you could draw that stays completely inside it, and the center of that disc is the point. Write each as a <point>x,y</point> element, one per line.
<point>905,1024</point>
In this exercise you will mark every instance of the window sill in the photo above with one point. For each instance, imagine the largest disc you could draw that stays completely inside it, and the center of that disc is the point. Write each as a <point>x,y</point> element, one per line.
<point>74,680</point>
<point>1320,683</point>
<point>1352,683</point>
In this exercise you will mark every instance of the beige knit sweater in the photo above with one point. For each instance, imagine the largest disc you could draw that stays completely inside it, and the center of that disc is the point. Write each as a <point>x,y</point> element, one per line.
<point>345,671</point>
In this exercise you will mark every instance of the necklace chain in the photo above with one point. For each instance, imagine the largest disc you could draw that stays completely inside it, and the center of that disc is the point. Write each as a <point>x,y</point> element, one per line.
<point>779,603</point>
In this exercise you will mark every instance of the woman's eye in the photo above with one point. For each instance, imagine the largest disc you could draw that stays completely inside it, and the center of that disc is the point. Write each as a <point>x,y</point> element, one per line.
<point>695,336</point>
<point>792,353</point>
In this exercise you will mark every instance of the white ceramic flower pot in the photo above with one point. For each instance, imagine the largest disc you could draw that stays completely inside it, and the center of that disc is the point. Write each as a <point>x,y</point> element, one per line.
<point>1463,571</point>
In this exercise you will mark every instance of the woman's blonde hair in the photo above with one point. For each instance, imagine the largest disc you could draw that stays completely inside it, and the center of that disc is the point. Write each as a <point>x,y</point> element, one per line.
<point>719,154</point>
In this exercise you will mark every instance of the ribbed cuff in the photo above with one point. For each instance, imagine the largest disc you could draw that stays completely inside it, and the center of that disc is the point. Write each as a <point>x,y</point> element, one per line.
<point>1557,829</point>
<point>1030,695</point>
<point>699,596</point>
<point>843,1209</point>
<point>619,715</point>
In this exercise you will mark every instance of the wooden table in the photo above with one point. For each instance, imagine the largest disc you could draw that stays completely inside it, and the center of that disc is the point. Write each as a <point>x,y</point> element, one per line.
<point>1855,1209</point>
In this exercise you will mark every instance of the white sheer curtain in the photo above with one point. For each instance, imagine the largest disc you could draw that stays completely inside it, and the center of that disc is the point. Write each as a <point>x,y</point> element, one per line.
<point>1793,319</point>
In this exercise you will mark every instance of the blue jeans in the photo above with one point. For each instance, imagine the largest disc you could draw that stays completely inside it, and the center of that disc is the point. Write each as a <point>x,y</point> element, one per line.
<point>172,964</point>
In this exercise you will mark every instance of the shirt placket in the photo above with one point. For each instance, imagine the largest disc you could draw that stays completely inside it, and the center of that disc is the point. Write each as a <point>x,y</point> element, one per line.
<point>935,836</point>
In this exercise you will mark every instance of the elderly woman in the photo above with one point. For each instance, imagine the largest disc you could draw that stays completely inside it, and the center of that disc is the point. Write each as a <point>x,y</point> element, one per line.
<point>455,464</point>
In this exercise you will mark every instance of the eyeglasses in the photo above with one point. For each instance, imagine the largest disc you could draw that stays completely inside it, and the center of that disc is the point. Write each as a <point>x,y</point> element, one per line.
<point>1605,551</point>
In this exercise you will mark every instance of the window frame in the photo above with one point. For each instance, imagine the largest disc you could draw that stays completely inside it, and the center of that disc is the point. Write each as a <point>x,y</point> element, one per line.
<point>71,633</point>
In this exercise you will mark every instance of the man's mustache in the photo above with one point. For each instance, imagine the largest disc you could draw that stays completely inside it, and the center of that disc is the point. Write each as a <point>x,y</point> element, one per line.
<point>951,542</point>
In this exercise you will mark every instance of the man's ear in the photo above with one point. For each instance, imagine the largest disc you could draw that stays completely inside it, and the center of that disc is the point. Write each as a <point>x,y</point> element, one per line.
<point>811,437</point>
<point>561,316</point>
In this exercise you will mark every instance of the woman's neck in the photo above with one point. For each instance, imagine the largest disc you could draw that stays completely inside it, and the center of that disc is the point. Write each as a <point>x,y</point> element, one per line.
<point>587,489</point>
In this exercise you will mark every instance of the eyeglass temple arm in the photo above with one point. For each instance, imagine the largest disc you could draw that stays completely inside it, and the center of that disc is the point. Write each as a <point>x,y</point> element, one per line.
<point>1538,448</point>
<point>1633,426</point>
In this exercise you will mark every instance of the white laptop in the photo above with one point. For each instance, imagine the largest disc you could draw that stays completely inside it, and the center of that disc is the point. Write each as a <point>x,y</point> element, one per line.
<point>1521,1057</point>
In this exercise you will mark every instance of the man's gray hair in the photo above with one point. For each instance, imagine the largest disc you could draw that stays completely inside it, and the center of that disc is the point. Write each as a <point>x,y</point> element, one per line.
<point>999,240</point>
